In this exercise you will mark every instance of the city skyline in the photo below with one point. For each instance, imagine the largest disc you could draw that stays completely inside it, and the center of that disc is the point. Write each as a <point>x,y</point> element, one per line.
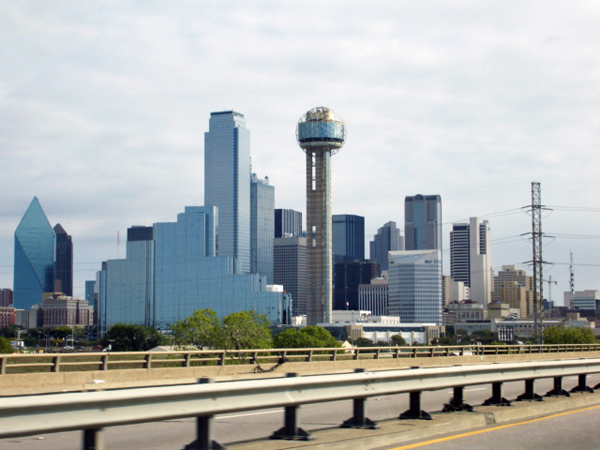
<point>471,102</point>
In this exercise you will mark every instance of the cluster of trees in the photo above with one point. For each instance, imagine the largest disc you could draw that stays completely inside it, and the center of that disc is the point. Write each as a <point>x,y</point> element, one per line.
<point>570,335</point>
<point>5,346</point>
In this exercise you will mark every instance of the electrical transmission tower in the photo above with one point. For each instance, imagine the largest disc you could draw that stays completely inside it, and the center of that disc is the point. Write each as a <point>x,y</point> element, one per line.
<point>538,263</point>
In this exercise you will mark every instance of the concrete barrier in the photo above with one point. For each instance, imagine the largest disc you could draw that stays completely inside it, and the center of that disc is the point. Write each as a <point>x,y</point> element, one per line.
<point>36,383</point>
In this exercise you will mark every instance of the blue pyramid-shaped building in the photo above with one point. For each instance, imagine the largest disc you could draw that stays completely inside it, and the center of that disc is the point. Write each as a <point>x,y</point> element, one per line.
<point>34,257</point>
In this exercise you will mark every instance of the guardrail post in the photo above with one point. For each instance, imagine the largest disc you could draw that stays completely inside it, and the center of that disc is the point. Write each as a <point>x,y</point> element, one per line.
<point>457,402</point>
<point>204,440</point>
<point>496,398</point>
<point>290,430</point>
<point>55,364</point>
<point>93,439</point>
<point>222,360</point>
<point>529,393</point>
<point>148,363</point>
<point>582,385</point>
<point>415,411</point>
<point>2,365</point>
<point>558,389</point>
<point>104,362</point>
<point>188,357</point>
<point>359,410</point>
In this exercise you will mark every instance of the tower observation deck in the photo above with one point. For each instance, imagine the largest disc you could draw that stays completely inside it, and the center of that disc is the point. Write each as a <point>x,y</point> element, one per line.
<point>320,133</point>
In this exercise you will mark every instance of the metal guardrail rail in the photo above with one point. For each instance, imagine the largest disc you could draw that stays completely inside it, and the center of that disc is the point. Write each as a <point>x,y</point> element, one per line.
<point>59,362</point>
<point>94,410</point>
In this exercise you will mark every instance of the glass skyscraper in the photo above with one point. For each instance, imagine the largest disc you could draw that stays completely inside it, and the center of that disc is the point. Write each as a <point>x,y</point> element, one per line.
<point>387,239</point>
<point>63,265</point>
<point>415,286</point>
<point>348,236</point>
<point>227,182</point>
<point>423,222</point>
<point>165,279</point>
<point>262,233</point>
<point>34,257</point>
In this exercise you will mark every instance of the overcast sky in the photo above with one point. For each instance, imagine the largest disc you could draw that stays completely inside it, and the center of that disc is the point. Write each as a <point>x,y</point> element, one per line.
<point>104,105</point>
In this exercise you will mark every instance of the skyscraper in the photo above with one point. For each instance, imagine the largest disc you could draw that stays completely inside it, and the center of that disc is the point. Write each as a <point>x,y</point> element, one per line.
<point>289,270</point>
<point>320,133</point>
<point>288,223</point>
<point>415,286</point>
<point>34,257</point>
<point>347,277</point>
<point>387,239</point>
<point>470,259</point>
<point>262,224</point>
<point>63,265</point>
<point>227,182</point>
<point>348,235</point>
<point>423,222</point>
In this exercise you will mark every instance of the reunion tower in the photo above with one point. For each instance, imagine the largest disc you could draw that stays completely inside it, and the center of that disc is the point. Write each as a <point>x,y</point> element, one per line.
<point>321,133</point>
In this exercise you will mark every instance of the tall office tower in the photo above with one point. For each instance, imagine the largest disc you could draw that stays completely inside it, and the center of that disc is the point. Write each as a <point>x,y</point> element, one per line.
<point>423,222</point>
<point>320,133</point>
<point>227,182</point>
<point>63,264</point>
<point>165,279</point>
<point>6,297</point>
<point>347,277</point>
<point>470,259</point>
<point>34,257</point>
<point>289,270</point>
<point>374,296</point>
<point>386,240</point>
<point>513,286</point>
<point>415,286</point>
<point>262,214</point>
<point>288,223</point>
<point>348,238</point>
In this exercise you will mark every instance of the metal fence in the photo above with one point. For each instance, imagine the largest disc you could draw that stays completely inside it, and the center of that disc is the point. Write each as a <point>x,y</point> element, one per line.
<point>94,410</point>
<point>84,361</point>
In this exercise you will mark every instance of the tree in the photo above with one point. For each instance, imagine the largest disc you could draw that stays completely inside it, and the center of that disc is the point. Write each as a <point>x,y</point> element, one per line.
<point>398,340</point>
<point>307,337</point>
<point>246,330</point>
<point>201,329</point>
<point>132,338</point>
<point>570,335</point>
<point>363,342</point>
<point>5,346</point>
<point>238,331</point>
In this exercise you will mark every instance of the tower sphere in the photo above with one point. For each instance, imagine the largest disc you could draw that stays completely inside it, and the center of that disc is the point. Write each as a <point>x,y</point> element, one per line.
<point>321,128</point>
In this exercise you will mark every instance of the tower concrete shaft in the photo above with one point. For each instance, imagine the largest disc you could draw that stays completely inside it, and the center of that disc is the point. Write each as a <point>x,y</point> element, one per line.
<point>318,242</point>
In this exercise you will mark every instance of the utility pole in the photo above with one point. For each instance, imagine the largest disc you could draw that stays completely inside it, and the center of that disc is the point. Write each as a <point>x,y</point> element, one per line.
<point>538,262</point>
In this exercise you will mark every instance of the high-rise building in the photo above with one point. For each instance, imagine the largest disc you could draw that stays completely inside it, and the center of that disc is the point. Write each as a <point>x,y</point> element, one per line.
<point>386,240</point>
<point>347,277</point>
<point>320,133</point>
<point>288,223</point>
<point>415,286</point>
<point>289,270</point>
<point>423,222</point>
<point>514,287</point>
<point>348,236</point>
<point>34,257</point>
<point>262,224</point>
<point>470,259</point>
<point>6,297</point>
<point>227,182</point>
<point>374,296</point>
<point>165,279</point>
<point>63,265</point>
